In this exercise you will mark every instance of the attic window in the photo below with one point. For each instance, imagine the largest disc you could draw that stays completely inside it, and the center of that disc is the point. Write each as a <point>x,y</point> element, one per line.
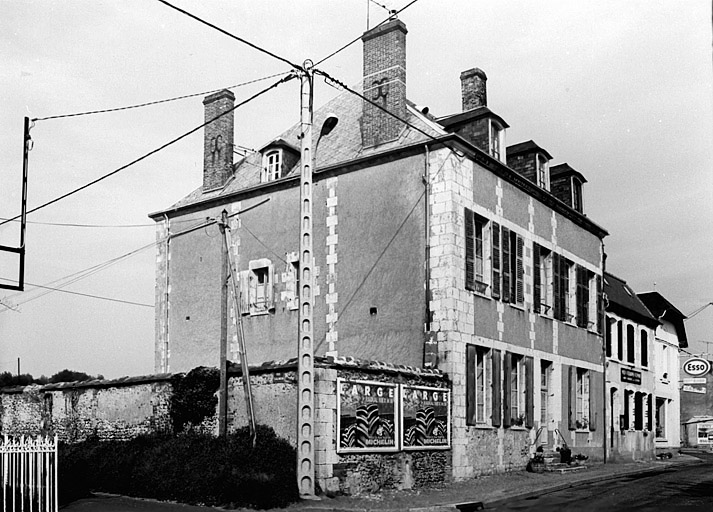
<point>496,142</point>
<point>271,165</point>
<point>543,174</point>
<point>577,195</point>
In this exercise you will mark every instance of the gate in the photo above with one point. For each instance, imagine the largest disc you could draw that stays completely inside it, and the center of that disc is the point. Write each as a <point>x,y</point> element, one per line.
<point>29,474</point>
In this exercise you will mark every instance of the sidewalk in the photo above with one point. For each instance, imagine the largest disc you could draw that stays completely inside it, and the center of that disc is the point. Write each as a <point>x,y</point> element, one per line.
<point>487,489</point>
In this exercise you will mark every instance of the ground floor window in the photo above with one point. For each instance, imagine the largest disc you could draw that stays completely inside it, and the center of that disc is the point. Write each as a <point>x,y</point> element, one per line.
<point>545,375</point>
<point>478,385</point>
<point>517,390</point>
<point>582,402</point>
<point>661,418</point>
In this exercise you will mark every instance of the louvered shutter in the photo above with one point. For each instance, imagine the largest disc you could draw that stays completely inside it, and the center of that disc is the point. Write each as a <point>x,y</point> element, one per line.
<point>571,377</point>
<point>507,271</point>
<point>600,300</point>
<point>496,261</point>
<point>564,295</point>
<point>529,393</point>
<point>536,284</point>
<point>519,271</point>
<point>496,386</point>
<point>469,250</point>
<point>507,388</point>
<point>557,285</point>
<point>596,385</point>
<point>581,298</point>
<point>270,288</point>
<point>244,292</point>
<point>470,361</point>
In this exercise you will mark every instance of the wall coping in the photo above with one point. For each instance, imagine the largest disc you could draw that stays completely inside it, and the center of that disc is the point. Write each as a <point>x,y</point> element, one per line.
<point>96,383</point>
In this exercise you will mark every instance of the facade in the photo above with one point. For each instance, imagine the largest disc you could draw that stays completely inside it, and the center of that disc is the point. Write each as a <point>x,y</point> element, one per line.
<point>436,247</point>
<point>696,400</point>
<point>631,375</point>
<point>670,338</point>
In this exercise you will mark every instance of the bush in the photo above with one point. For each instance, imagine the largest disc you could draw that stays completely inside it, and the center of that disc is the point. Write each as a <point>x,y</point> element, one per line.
<point>190,468</point>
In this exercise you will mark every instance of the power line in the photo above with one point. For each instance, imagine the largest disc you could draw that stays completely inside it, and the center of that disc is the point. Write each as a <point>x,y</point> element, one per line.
<point>394,13</point>
<point>222,31</point>
<point>149,103</point>
<point>150,153</point>
<point>71,225</point>
<point>91,296</point>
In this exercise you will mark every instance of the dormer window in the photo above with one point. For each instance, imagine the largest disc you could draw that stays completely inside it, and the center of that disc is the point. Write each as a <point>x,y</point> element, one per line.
<point>271,165</point>
<point>577,195</point>
<point>496,141</point>
<point>543,174</point>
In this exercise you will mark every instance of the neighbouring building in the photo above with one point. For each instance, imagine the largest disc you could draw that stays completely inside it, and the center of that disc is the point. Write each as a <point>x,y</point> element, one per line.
<point>630,372</point>
<point>669,339</point>
<point>696,400</point>
<point>436,246</point>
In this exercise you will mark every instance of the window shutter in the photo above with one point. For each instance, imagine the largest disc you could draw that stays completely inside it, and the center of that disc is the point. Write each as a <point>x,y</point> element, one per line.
<point>596,384</point>
<point>507,388</point>
<point>529,393</point>
<point>627,394</point>
<point>571,377</point>
<point>519,271</point>
<point>608,336</point>
<point>644,348</point>
<point>270,288</point>
<point>556,284</point>
<point>505,239</point>
<point>600,303</point>
<point>564,290</point>
<point>620,340</point>
<point>536,275</point>
<point>650,411</point>
<point>497,377</point>
<point>244,278</point>
<point>469,250</point>
<point>470,385</point>
<point>580,296</point>
<point>496,261</point>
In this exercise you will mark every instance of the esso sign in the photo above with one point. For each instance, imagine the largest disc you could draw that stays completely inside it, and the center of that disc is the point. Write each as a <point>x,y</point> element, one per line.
<point>696,366</point>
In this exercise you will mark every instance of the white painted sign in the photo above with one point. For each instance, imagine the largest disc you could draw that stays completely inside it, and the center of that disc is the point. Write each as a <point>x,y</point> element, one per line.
<point>695,380</point>
<point>696,366</point>
<point>691,388</point>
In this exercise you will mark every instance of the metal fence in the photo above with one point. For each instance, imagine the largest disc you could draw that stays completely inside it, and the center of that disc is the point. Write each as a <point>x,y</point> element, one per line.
<point>29,474</point>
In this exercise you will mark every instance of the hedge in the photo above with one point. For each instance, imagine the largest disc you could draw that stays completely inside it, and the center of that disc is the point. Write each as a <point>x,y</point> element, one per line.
<point>189,468</point>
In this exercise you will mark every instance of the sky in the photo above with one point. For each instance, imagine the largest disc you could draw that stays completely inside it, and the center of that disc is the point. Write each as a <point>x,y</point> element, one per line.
<point>622,91</point>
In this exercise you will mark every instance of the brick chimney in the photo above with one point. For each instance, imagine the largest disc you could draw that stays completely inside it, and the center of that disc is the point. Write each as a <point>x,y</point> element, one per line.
<point>218,140</point>
<point>473,89</point>
<point>384,82</point>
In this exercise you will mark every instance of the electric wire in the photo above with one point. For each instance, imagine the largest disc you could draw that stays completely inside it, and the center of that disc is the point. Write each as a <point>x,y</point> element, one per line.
<point>395,13</point>
<point>154,151</point>
<point>156,102</point>
<point>73,225</point>
<point>92,296</point>
<point>237,38</point>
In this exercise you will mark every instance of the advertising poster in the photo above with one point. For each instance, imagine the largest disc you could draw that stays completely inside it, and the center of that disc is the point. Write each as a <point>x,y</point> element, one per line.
<point>705,433</point>
<point>367,416</point>
<point>425,414</point>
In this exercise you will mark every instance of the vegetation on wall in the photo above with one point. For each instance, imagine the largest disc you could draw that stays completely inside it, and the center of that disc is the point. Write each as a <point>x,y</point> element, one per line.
<point>8,379</point>
<point>194,397</point>
<point>190,468</point>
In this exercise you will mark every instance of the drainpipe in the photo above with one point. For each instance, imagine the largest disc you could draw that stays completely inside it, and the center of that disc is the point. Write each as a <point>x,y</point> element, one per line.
<point>603,323</point>
<point>166,296</point>
<point>427,224</point>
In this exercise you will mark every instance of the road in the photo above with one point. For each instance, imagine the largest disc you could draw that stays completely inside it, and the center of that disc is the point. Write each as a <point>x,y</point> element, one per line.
<point>684,488</point>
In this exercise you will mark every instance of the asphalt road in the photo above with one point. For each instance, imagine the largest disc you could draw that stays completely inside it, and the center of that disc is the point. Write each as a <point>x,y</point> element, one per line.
<point>683,488</point>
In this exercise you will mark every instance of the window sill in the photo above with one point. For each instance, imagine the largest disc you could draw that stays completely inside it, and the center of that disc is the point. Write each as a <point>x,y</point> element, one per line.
<point>481,295</point>
<point>517,427</point>
<point>260,313</point>
<point>661,440</point>
<point>481,426</point>
<point>517,306</point>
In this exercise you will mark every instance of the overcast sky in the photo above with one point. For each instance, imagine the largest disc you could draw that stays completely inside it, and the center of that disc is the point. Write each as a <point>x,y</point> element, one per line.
<point>619,90</point>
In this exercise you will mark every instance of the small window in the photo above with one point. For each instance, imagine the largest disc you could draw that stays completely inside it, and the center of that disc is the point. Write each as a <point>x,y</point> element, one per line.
<point>496,132</point>
<point>577,195</point>
<point>272,165</point>
<point>475,252</point>
<point>582,404</point>
<point>543,174</point>
<point>256,288</point>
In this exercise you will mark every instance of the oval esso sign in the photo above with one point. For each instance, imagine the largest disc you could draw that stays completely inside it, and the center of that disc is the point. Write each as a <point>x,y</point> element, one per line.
<point>696,366</point>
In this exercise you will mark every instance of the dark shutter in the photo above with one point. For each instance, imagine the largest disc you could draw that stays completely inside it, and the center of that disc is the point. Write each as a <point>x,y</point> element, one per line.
<point>469,250</point>
<point>581,297</point>
<point>497,377</point>
<point>596,385</point>
<point>571,396</point>
<point>529,393</point>
<point>556,286</point>
<point>470,361</point>
<point>519,271</point>
<point>644,348</point>
<point>626,410</point>
<point>537,285</point>
<point>620,340</point>
<point>600,303</point>
<point>507,388</point>
<point>650,409</point>
<point>608,336</point>
<point>496,261</point>
<point>564,295</point>
<point>506,265</point>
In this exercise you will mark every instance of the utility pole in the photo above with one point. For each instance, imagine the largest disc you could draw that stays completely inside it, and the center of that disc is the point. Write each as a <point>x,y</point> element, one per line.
<point>18,366</point>
<point>305,351</point>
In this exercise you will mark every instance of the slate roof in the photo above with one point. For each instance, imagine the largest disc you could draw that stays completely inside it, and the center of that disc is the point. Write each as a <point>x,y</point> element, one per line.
<point>565,170</point>
<point>662,308</point>
<point>522,147</point>
<point>623,301</point>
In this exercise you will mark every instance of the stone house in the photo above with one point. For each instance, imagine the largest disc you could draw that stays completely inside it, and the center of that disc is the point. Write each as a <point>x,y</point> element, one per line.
<point>436,247</point>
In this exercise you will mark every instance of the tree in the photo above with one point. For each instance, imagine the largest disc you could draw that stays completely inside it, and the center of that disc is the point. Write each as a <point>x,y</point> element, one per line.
<point>72,376</point>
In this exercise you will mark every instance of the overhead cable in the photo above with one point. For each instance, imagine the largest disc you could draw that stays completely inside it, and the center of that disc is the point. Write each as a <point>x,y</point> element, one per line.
<point>71,225</point>
<point>91,296</point>
<point>150,153</point>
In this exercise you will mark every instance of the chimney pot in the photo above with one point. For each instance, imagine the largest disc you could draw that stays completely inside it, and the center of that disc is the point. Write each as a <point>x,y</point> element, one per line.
<point>218,139</point>
<point>473,89</point>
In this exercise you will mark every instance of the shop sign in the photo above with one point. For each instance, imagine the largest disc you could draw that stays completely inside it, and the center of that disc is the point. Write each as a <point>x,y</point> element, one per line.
<point>705,433</point>
<point>693,388</point>
<point>697,380</point>
<point>425,414</point>
<point>367,416</point>
<point>696,366</point>
<point>631,376</point>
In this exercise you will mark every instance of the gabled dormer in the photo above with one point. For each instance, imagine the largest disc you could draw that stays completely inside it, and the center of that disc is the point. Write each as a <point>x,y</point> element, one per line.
<point>477,123</point>
<point>566,185</point>
<point>278,159</point>
<point>531,161</point>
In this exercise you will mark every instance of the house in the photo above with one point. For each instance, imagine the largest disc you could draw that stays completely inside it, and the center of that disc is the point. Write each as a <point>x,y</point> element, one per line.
<point>436,246</point>
<point>669,339</point>
<point>630,373</point>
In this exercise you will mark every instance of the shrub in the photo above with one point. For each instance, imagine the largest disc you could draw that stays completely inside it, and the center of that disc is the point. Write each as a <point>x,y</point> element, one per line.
<point>194,396</point>
<point>190,468</point>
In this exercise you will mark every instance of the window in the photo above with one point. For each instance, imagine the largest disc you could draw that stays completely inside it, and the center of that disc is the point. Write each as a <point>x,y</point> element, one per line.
<point>545,372</point>
<point>542,280</point>
<point>660,418</point>
<point>256,288</point>
<point>582,399</point>
<point>620,340</point>
<point>561,270</point>
<point>272,164</point>
<point>638,411</point>
<point>508,269</point>
<point>644,348</point>
<point>630,344</point>
<point>478,385</point>
<point>515,391</point>
<point>608,339</point>
<point>496,132</point>
<point>628,399</point>
<point>475,256</point>
<point>542,172</point>
<point>577,195</point>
